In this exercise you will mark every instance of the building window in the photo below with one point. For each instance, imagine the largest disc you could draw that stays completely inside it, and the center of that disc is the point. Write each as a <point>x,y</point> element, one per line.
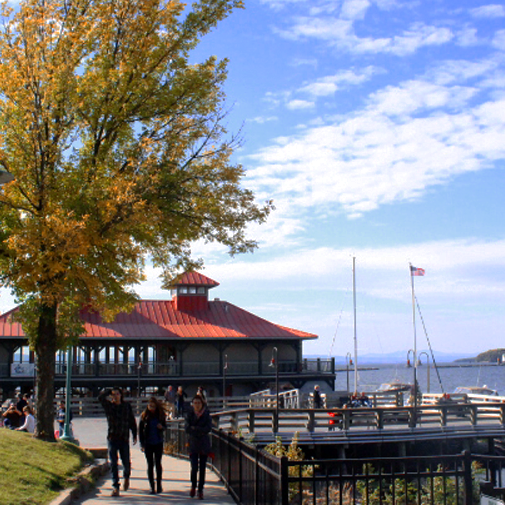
<point>183,290</point>
<point>192,290</point>
<point>201,291</point>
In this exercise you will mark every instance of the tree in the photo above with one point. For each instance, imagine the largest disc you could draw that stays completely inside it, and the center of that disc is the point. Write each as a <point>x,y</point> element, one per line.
<point>119,153</point>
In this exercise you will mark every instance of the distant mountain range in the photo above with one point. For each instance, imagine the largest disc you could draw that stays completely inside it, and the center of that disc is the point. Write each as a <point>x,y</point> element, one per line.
<point>398,357</point>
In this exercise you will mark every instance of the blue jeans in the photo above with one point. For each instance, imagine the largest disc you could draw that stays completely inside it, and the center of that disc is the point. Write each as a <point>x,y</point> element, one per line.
<point>123,448</point>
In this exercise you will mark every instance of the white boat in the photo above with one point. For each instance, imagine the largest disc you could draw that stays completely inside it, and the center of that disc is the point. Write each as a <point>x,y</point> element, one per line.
<point>475,390</point>
<point>394,386</point>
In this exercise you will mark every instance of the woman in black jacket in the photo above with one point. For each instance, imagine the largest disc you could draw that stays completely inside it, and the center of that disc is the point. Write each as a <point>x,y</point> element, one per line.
<point>151,430</point>
<point>198,427</point>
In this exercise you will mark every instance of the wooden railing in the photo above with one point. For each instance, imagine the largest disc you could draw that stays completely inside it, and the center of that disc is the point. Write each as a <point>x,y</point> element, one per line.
<point>91,407</point>
<point>258,412</point>
<point>460,416</point>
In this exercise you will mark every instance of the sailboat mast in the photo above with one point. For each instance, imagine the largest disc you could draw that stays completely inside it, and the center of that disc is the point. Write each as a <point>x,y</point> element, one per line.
<point>355,334</point>
<point>411,272</point>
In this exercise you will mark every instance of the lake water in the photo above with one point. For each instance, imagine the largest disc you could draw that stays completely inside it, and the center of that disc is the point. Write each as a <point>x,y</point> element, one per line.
<point>370,377</point>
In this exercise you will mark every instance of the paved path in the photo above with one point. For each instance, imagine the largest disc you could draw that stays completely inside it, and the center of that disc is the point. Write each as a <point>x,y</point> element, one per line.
<point>91,432</point>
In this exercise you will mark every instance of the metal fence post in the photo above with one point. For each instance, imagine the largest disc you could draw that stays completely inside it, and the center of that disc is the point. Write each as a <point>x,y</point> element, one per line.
<point>228,457</point>
<point>467,476</point>
<point>256,478</point>
<point>275,421</point>
<point>240,469</point>
<point>284,481</point>
<point>311,421</point>
<point>250,415</point>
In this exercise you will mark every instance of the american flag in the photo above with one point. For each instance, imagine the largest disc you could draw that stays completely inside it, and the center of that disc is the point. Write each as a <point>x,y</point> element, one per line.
<point>416,271</point>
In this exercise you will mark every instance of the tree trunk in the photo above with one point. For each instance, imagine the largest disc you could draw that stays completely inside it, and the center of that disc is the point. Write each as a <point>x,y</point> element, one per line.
<point>45,349</point>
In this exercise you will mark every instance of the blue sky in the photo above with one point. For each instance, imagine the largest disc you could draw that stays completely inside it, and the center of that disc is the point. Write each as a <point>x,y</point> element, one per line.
<point>378,129</point>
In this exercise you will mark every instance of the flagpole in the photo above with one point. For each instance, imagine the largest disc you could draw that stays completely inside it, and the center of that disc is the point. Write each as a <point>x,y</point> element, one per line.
<point>355,333</point>
<point>415,336</point>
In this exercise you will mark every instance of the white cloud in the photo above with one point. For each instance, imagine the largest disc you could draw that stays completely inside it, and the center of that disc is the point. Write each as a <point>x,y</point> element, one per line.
<point>499,40</point>
<point>354,9</point>
<point>299,104</point>
<point>340,34</point>
<point>278,4</point>
<point>488,11</point>
<point>263,119</point>
<point>450,71</point>
<point>467,37</point>
<point>328,85</point>
<point>389,4</point>
<point>419,35</point>
<point>413,96</point>
<point>330,29</point>
<point>410,137</point>
<point>323,87</point>
<point>299,62</point>
<point>450,266</point>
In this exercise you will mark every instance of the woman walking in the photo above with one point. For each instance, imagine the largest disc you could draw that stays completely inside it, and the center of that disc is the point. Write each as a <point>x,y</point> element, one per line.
<point>198,427</point>
<point>151,429</point>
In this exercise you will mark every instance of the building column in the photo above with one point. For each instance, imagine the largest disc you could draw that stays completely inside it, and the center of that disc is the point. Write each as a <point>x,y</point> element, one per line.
<point>259,348</point>
<point>97,350</point>
<point>180,357</point>
<point>221,348</point>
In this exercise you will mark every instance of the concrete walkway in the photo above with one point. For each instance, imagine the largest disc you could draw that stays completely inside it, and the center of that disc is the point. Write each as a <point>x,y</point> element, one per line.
<point>91,433</point>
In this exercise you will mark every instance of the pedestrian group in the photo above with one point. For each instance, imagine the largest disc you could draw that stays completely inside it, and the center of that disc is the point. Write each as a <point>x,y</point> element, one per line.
<point>152,423</point>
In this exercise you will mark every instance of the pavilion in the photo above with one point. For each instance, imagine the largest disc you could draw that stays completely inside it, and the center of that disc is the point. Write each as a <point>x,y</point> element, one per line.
<point>187,340</point>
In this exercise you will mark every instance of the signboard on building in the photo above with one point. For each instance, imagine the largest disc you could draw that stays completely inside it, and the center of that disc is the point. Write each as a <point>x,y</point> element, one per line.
<point>22,369</point>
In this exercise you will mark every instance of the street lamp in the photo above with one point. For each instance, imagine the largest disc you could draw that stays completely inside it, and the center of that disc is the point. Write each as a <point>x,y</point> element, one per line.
<point>67,435</point>
<point>428,371</point>
<point>274,362</point>
<point>225,367</point>
<point>408,357</point>
<point>139,368</point>
<point>348,360</point>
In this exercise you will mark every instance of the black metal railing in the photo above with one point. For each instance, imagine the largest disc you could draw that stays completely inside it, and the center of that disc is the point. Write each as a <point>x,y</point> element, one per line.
<point>254,477</point>
<point>493,477</point>
<point>191,368</point>
<point>428,480</point>
<point>251,476</point>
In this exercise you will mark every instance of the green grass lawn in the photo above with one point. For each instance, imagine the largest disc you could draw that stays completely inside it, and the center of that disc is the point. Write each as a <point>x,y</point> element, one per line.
<point>33,472</point>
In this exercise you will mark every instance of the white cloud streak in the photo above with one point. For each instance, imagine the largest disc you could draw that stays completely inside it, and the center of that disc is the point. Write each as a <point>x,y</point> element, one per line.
<point>408,138</point>
<point>340,34</point>
<point>488,11</point>
<point>330,84</point>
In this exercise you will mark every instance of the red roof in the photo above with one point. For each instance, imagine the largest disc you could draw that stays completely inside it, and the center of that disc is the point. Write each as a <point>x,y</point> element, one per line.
<point>194,279</point>
<point>158,319</point>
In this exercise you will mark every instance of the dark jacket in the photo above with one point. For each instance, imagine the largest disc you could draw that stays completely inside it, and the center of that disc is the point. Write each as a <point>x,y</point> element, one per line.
<point>198,429</point>
<point>120,419</point>
<point>144,430</point>
<point>179,398</point>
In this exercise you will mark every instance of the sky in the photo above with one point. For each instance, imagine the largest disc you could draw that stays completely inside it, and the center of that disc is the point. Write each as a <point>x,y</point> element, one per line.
<point>378,129</point>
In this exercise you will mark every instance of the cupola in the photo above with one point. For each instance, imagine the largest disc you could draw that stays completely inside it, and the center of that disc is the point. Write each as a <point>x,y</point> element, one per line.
<point>190,291</point>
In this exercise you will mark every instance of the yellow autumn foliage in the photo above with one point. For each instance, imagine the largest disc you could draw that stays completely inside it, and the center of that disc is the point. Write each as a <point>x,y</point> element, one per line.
<point>118,153</point>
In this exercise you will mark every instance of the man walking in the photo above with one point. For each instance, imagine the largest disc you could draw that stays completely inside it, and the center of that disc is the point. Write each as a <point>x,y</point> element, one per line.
<point>170,398</point>
<point>120,420</point>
